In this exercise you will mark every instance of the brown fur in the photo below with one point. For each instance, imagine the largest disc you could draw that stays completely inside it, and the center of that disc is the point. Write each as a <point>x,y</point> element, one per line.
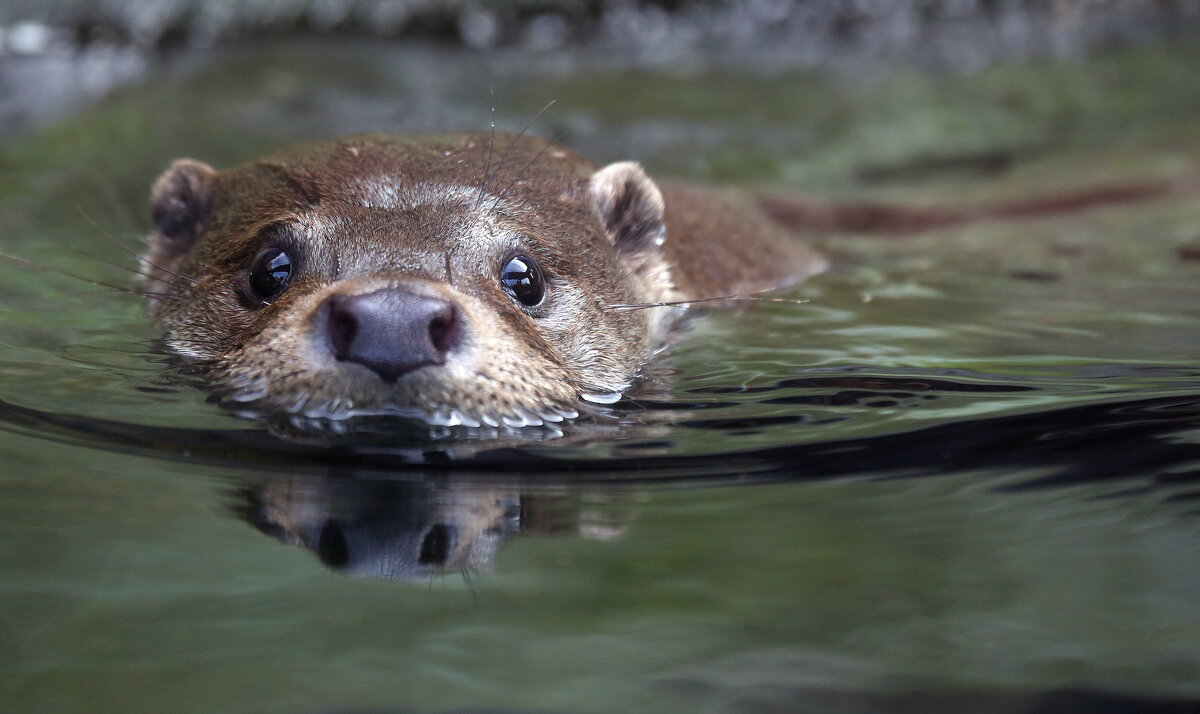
<point>437,216</point>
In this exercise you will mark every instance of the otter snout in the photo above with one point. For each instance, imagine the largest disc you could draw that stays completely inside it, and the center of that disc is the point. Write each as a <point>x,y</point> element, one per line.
<point>390,331</point>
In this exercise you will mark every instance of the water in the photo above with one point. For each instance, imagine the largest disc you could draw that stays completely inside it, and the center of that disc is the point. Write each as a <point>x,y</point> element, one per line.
<point>962,475</point>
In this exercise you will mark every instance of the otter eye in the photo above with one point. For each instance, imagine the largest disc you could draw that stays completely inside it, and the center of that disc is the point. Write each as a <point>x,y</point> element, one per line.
<point>269,273</point>
<point>522,278</point>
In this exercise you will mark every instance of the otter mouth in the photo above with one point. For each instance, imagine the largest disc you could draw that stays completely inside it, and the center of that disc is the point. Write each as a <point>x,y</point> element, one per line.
<point>253,397</point>
<point>453,421</point>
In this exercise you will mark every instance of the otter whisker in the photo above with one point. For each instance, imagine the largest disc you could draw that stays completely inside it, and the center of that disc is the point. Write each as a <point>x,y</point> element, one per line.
<point>168,271</point>
<point>512,145</point>
<point>491,144</point>
<point>521,173</point>
<point>466,576</point>
<point>96,225</point>
<point>118,266</point>
<point>112,239</point>
<point>181,276</point>
<point>153,294</point>
<point>101,179</point>
<point>99,283</point>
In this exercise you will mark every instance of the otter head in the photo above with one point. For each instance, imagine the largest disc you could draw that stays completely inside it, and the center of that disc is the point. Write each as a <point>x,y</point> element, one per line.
<point>427,277</point>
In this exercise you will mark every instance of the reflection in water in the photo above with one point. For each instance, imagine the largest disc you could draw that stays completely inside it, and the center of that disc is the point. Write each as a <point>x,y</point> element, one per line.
<point>408,529</point>
<point>1134,437</point>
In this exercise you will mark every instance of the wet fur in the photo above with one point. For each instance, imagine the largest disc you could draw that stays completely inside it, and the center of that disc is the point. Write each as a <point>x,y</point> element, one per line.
<point>438,215</point>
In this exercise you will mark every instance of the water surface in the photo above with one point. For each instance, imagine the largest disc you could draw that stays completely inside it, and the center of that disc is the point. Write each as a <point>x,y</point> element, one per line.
<point>962,472</point>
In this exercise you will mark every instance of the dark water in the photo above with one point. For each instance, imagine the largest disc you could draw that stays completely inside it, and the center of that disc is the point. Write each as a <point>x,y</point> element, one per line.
<point>963,476</point>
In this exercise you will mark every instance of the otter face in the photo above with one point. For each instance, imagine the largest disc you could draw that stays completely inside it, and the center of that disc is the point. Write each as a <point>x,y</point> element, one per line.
<point>421,277</point>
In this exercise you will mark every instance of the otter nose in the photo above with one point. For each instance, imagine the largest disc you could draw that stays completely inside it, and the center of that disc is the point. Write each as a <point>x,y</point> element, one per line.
<point>391,331</point>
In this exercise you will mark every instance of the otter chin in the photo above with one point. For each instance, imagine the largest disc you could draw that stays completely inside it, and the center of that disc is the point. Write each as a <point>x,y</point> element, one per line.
<point>459,279</point>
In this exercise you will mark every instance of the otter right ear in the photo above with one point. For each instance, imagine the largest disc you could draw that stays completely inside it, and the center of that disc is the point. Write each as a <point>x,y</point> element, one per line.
<point>630,208</point>
<point>180,203</point>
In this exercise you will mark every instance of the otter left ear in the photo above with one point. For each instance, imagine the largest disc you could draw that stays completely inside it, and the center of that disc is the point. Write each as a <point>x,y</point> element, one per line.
<point>180,203</point>
<point>630,208</point>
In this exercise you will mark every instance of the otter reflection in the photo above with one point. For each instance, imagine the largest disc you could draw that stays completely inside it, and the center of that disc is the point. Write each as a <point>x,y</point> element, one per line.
<point>413,529</point>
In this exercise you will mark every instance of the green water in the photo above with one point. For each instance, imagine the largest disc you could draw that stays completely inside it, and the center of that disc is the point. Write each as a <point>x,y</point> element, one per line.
<point>965,467</point>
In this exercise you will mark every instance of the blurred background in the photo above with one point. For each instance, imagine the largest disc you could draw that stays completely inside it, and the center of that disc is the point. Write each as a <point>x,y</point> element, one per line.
<point>58,54</point>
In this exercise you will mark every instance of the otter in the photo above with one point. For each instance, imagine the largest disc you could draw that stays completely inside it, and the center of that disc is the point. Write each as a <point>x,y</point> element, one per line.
<point>471,279</point>
<point>457,279</point>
